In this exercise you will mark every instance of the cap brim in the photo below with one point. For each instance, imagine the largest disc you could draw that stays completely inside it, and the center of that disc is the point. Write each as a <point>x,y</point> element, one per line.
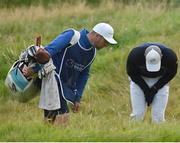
<point>110,40</point>
<point>153,67</point>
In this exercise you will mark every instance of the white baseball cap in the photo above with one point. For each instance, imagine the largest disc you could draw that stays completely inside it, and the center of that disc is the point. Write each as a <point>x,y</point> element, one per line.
<point>106,31</point>
<point>153,60</point>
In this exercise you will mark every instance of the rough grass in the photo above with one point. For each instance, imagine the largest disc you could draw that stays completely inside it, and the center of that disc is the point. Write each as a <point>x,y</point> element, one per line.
<point>105,106</point>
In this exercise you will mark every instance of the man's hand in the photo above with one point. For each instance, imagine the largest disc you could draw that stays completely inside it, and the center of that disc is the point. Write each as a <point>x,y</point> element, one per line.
<point>149,95</point>
<point>76,107</point>
<point>42,56</point>
<point>27,72</point>
<point>39,54</point>
<point>153,90</point>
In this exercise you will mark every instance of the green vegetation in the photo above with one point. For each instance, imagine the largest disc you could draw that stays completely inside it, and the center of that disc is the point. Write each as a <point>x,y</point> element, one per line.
<point>46,3</point>
<point>105,106</point>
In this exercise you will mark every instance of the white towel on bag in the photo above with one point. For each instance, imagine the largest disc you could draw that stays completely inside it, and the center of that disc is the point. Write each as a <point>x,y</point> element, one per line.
<point>49,96</point>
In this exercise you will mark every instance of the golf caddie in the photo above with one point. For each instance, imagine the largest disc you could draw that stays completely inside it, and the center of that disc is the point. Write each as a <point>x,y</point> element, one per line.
<point>67,60</point>
<point>150,66</point>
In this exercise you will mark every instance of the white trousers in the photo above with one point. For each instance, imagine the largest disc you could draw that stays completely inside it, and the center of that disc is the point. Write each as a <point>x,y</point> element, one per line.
<point>139,104</point>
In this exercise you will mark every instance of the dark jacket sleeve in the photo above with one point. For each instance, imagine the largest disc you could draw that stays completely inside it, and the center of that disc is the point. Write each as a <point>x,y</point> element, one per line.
<point>133,70</point>
<point>170,64</point>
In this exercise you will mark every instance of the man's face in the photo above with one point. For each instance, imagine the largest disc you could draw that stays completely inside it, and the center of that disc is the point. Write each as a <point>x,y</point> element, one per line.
<point>100,42</point>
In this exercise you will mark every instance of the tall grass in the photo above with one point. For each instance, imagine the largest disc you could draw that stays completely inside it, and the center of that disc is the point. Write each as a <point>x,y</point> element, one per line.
<point>105,106</point>
<point>46,3</point>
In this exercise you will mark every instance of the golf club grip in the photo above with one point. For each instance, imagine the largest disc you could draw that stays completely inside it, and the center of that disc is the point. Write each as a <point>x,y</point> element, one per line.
<point>38,41</point>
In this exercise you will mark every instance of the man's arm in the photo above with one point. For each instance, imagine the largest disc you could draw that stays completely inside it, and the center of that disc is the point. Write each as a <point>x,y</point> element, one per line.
<point>62,41</point>
<point>161,82</point>
<point>42,56</point>
<point>133,71</point>
<point>135,77</point>
<point>83,77</point>
<point>171,66</point>
<point>82,80</point>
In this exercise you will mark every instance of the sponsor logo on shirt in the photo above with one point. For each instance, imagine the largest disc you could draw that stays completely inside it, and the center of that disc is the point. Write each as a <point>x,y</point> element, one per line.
<point>70,63</point>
